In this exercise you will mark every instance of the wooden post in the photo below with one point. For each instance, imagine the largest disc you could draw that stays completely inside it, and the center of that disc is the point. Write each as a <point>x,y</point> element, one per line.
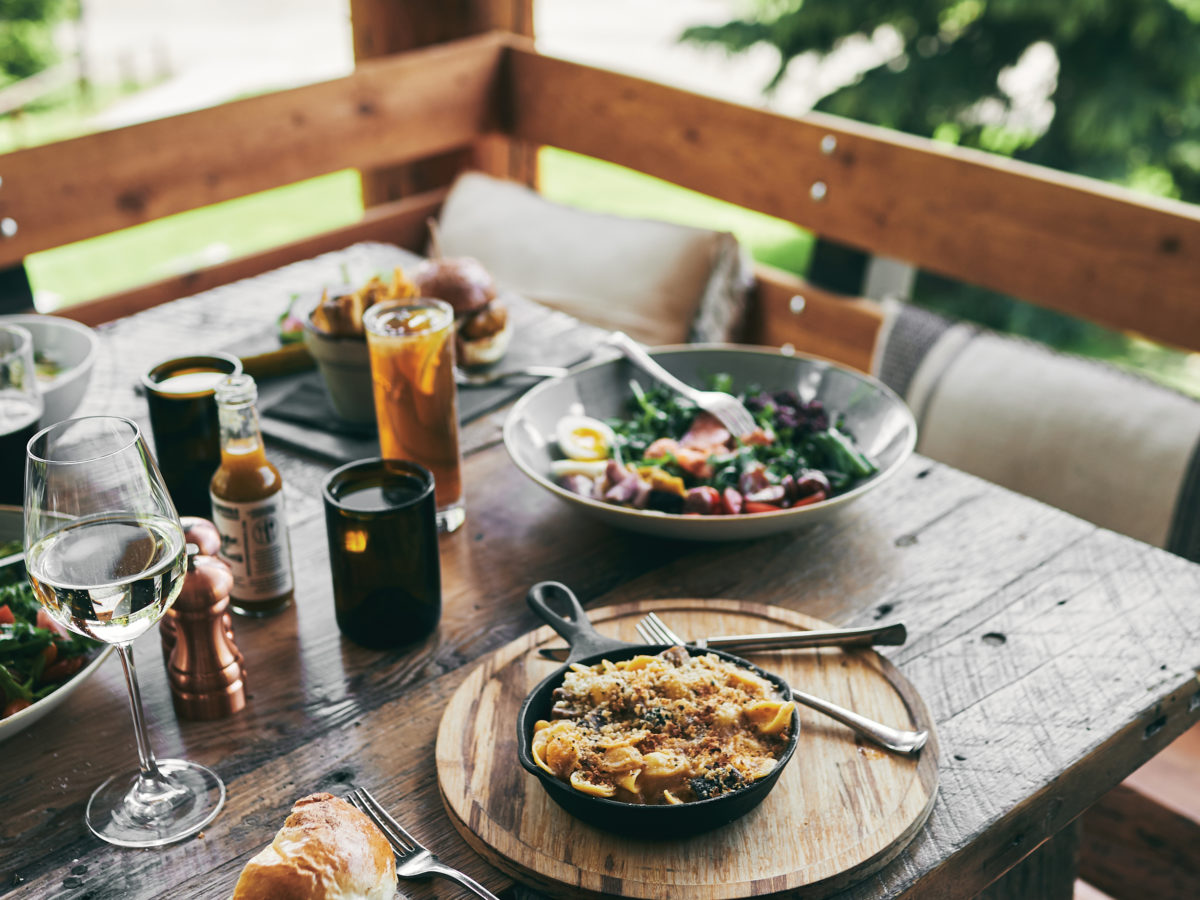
<point>382,27</point>
<point>1048,873</point>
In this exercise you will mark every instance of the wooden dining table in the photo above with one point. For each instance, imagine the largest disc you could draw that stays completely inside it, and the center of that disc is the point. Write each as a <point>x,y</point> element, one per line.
<point>1055,657</point>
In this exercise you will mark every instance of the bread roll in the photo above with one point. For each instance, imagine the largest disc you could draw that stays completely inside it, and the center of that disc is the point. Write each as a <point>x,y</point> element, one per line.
<point>326,850</point>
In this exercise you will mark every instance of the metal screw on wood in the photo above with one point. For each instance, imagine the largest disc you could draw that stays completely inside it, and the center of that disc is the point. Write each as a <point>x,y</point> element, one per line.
<point>8,227</point>
<point>797,304</point>
<point>818,191</point>
<point>828,144</point>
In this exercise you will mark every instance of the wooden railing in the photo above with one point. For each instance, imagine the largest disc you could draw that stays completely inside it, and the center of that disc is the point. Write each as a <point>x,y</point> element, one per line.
<point>1068,243</point>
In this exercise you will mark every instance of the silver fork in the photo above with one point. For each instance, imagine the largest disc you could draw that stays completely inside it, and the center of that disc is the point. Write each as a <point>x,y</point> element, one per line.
<point>725,407</point>
<point>412,859</point>
<point>656,631</point>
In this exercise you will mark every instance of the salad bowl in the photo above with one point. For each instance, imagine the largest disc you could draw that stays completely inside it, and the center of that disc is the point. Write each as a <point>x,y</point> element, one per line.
<point>881,424</point>
<point>12,526</point>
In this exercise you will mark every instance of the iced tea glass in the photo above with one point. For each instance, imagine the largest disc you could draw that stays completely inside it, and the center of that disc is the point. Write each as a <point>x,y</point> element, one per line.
<point>411,345</point>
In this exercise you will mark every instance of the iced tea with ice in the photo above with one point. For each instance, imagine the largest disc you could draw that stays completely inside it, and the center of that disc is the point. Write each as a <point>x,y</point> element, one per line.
<point>411,344</point>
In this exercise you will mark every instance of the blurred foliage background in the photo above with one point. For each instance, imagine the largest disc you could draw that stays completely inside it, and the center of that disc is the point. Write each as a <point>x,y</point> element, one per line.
<point>1104,88</point>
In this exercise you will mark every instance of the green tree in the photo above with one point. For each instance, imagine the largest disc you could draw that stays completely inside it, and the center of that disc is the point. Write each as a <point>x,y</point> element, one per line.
<point>1126,98</point>
<point>26,36</point>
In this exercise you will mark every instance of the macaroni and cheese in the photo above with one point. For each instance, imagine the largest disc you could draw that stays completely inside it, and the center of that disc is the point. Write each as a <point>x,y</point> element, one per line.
<point>671,728</point>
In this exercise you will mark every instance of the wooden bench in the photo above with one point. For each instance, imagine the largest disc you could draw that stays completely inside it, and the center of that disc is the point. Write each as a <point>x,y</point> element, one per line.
<point>1082,247</point>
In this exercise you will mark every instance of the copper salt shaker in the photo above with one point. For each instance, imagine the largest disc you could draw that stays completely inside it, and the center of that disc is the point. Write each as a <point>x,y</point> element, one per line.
<point>205,668</point>
<point>204,535</point>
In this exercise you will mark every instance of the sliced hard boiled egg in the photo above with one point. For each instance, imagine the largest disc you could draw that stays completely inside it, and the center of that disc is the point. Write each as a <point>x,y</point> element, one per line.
<point>584,438</point>
<point>593,469</point>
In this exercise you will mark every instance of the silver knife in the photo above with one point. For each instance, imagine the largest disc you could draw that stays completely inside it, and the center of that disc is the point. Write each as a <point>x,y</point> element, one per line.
<point>888,635</point>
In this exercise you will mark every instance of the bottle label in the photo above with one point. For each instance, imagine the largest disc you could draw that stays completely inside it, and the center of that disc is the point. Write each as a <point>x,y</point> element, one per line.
<point>255,546</point>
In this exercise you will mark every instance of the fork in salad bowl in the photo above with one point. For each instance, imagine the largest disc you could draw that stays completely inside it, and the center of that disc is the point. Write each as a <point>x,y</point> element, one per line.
<point>413,860</point>
<point>727,409</point>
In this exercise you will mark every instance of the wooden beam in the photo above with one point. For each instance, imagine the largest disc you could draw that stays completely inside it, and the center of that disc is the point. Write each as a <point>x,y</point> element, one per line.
<point>1133,847</point>
<point>401,223</point>
<point>391,110</point>
<point>822,323</point>
<point>1121,259</point>
<point>384,27</point>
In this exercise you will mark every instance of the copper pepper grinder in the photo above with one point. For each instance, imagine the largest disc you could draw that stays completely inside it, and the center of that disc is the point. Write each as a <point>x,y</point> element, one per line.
<point>205,668</point>
<point>204,535</point>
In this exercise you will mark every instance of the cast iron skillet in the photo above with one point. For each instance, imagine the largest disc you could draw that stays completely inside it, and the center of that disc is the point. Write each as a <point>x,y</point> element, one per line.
<point>588,647</point>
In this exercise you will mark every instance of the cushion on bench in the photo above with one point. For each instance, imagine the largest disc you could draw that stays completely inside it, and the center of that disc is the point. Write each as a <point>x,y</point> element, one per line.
<point>658,282</point>
<point>1106,445</point>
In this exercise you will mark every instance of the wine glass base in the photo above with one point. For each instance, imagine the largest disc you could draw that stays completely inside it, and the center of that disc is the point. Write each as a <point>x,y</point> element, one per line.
<point>122,814</point>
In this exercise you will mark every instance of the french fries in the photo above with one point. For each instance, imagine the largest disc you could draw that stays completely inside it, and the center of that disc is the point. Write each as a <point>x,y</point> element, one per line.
<point>342,314</point>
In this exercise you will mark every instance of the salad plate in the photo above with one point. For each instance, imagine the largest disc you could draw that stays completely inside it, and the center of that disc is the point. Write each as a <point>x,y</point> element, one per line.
<point>881,427</point>
<point>11,532</point>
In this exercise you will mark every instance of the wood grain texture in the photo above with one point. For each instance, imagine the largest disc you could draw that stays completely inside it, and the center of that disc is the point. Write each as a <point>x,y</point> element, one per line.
<point>382,28</point>
<point>388,111</point>
<point>841,810</point>
<point>1080,246</point>
<point>1055,657</point>
<point>404,223</point>
<point>830,325</point>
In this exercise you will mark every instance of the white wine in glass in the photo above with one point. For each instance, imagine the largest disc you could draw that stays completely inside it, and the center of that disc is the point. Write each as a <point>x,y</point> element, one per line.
<point>106,557</point>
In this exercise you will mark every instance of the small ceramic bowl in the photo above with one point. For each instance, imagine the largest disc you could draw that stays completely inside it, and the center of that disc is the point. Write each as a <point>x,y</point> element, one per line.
<point>74,347</point>
<point>344,366</point>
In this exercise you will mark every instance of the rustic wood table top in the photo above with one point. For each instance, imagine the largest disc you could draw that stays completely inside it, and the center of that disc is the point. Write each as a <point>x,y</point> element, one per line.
<point>1055,656</point>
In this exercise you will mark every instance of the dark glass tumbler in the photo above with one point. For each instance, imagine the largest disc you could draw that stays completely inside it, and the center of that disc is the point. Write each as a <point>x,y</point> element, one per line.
<point>183,419</point>
<point>381,522</point>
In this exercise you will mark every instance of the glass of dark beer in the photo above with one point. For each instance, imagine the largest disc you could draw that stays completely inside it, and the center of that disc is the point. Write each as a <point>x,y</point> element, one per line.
<point>20,409</point>
<point>381,522</point>
<point>183,419</point>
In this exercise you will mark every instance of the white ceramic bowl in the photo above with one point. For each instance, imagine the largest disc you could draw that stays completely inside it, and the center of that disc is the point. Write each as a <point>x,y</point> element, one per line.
<point>11,528</point>
<point>73,346</point>
<point>880,422</point>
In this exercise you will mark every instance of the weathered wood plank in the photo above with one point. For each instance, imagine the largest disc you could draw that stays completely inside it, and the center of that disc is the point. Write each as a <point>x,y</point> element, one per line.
<point>1084,247</point>
<point>390,110</point>
<point>820,322</point>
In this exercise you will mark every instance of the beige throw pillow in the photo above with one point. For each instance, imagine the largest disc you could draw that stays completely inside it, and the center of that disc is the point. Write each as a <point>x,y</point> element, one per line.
<point>658,282</point>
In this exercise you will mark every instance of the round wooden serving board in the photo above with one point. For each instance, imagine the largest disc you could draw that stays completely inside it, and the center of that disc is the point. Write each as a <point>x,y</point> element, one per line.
<point>841,810</point>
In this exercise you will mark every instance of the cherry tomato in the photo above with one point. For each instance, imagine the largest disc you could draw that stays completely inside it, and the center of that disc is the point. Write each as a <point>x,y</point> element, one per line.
<point>63,669</point>
<point>50,653</point>
<point>15,706</point>
<point>6,615</point>
<point>45,620</point>
<point>731,502</point>
<point>811,498</point>
<point>753,506</point>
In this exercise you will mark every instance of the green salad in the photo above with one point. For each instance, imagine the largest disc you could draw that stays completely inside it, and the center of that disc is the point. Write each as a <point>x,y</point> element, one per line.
<point>37,655</point>
<point>666,454</point>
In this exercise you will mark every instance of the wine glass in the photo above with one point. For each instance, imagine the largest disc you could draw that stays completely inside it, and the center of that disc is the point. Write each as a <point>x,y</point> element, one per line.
<point>106,557</point>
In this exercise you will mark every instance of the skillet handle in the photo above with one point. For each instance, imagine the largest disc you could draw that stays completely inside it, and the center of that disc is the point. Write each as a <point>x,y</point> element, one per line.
<point>578,631</point>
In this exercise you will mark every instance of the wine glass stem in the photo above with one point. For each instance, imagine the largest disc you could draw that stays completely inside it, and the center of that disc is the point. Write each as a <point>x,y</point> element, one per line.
<point>147,765</point>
